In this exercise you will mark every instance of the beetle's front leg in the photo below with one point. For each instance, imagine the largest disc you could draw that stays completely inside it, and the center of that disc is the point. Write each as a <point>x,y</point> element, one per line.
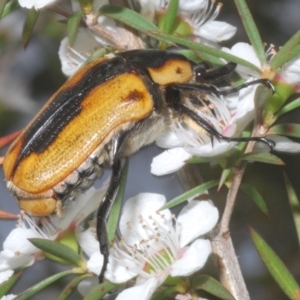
<point>173,99</point>
<point>103,214</point>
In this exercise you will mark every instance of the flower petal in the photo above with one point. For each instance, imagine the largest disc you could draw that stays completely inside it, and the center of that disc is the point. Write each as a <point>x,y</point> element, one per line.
<point>246,52</point>
<point>291,71</point>
<point>284,144</point>
<point>5,275</point>
<point>195,219</point>
<point>144,207</point>
<point>37,4</point>
<point>140,292</point>
<point>169,161</point>
<point>192,5</point>
<point>193,258</point>
<point>119,272</point>
<point>95,263</point>
<point>87,241</point>
<point>216,31</point>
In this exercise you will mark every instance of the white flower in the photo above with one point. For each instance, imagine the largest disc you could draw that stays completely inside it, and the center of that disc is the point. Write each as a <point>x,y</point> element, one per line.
<point>289,73</point>
<point>72,58</point>
<point>18,251</point>
<point>203,21</point>
<point>199,14</point>
<point>152,247</point>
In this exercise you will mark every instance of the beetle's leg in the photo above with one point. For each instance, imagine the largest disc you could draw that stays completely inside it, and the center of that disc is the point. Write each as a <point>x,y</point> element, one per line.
<point>103,214</point>
<point>215,75</point>
<point>173,100</point>
<point>210,89</point>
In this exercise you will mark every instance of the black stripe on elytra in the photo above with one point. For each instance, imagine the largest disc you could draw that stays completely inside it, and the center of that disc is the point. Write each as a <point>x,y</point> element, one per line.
<point>66,106</point>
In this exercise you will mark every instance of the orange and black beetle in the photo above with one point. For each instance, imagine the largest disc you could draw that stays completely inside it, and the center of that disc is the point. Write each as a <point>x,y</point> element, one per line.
<point>106,111</point>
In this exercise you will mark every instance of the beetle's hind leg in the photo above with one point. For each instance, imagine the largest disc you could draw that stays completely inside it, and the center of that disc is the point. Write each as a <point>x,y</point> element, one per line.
<point>103,214</point>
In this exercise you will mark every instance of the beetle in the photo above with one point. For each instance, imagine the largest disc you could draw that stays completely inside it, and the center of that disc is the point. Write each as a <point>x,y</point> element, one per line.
<point>106,111</point>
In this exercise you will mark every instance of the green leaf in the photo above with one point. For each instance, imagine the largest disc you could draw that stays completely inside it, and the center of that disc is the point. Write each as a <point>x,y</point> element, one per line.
<point>225,173</point>
<point>100,291</point>
<point>114,215</point>
<point>257,198</point>
<point>43,284</point>
<point>8,284</point>
<point>276,267</point>
<point>68,290</point>
<point>170,17</point>
<point>190,194</point>
<point>73,26</point>
<point>251,29</point>
<point>291,129</point>
<point>212,286</point>
<point>59,250</point>
<point>136,21</point>
<point>165,293</point>
<point>129,17</point>
<point>28,26</point>
<point>294,203</point>
<point>282,93</point>
<point>9,7</point>
<point>286,52</point>
<point>289,107</point>
<point>267,158</point>
<point>2,6</point>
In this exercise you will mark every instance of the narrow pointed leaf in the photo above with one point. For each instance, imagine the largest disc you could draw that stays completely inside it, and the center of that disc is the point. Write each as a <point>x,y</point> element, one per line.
<point>170,17</point>
<point>165,294</point>
<point>251,29</point>
<point>114,215</point>
<point>2,6</point>
<point>73,26</point>
<point>136,21</point>
<point>100,291</point>
<point>28,26</point>
<point>8,284</point>
<point>291,129</point>
<point>285,52</point>
<point>294,203</point>
<point>68,290</point>
<point>257,198</point>
<point>129,17</point>
<point>190,194</point>
<point>200,160</point>
<point>276,267</point>
<point>212,286</point>
<point>225,173</point>
<point>9,7</point>
<point>267,158</point>
<point>59,250</point>
<point>289,107</point>
<point>43,284</point>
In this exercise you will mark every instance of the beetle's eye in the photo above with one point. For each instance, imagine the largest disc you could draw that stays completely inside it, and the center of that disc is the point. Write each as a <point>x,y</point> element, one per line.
<point>200,70</point>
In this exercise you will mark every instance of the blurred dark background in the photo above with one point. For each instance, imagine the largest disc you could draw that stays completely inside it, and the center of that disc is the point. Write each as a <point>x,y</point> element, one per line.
<point>29,77</point>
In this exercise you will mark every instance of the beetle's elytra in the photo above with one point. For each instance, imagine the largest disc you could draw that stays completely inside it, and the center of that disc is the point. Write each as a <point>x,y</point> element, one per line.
<point>106,111</point>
